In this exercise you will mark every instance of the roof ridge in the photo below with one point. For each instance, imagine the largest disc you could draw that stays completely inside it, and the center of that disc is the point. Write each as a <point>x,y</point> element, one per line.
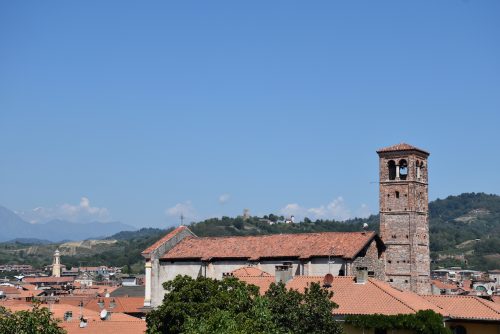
<point>165,238</point>
<point>383,288</point>
<point>402,146</point>
<point>273,234</point>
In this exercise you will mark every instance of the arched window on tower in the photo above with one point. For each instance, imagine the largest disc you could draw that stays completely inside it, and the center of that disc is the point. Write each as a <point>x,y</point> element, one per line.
<point>391,165</point>
<point>403,169</point>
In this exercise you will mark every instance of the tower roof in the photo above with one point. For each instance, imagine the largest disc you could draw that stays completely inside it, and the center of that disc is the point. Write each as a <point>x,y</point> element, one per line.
<point>401,147</point>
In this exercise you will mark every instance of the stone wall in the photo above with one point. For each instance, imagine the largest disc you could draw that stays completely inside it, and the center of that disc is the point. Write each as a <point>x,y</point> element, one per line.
<point>371,257</point>
<point>404,224</point>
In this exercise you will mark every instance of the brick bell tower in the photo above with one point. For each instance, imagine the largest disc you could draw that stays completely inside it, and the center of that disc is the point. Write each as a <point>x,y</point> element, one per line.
<point>404,216</point>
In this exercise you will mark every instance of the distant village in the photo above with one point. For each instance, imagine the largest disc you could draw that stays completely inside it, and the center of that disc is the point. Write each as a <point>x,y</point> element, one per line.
<point>369,273</point>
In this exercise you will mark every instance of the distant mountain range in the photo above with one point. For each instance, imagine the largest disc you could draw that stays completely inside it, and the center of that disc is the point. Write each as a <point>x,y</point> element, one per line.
<point>14,227</point>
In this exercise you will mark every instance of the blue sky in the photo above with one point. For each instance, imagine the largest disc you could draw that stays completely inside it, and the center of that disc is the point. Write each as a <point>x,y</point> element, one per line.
<point>137,111</point>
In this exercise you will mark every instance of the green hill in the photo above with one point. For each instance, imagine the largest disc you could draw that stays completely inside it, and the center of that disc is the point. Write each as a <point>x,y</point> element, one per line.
<point>464,231</point>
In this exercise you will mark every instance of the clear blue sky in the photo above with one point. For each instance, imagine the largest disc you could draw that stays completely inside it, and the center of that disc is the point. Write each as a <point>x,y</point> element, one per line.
<point>148,109</point>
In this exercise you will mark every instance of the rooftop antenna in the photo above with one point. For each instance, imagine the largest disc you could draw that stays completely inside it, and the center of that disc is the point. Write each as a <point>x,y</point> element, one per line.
<point>182,219</point>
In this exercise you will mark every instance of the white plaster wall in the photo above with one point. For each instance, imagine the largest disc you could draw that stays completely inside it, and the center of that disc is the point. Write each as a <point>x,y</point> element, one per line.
<point>320,266</point>
<point>270,266</point>
<point>218,268</point>
<point>166,270</point>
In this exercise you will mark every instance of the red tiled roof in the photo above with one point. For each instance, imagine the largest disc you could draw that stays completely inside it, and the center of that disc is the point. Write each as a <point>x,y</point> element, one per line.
<point>30,293</point>
<point>262,282</point>
<point>304,245</point>
<point>28,286</point>
<point>443,285</point>
<point>466,307</point>
<point>136,326</point>
<point>122,304</point>
<point>379,297</point>
<point>401,147</point>
<point>163,240</point>
<point>467,285</point>
<point>10,290</point>
<point>369,298</point>
<point>55,280</point>
<point>117,323</point>
<point>254,276</point>
<point>250,271</point>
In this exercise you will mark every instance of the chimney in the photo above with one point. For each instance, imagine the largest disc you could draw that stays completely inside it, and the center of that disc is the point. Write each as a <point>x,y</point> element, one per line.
<point>284,272</point>
<point>361,275</point>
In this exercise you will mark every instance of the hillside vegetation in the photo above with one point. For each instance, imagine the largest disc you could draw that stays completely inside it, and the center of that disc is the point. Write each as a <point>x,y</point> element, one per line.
<point>464,231</point>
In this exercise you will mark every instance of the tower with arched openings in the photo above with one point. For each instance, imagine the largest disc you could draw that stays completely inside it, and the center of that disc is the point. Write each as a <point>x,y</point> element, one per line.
<point>404,216</point>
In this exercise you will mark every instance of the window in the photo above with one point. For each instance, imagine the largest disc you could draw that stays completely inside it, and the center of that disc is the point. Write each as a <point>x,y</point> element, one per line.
<point>397,194</point>
<point>403,169</point>
<point>391,165</point>
<point>458,330</point>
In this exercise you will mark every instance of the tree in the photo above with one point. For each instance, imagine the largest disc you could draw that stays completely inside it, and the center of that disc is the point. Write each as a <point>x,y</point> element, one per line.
<point>193,304</point>
<point>205,305</point>
<point>308,312</point>
<point>35,321</point>
<point>422,322</point>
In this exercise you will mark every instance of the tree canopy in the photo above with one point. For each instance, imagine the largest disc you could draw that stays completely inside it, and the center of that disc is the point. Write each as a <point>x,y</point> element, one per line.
<point>35,321</point>
<point>205,305</point>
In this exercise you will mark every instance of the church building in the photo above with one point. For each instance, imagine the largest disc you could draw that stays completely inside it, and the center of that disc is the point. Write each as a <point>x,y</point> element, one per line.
<point>399,255</point>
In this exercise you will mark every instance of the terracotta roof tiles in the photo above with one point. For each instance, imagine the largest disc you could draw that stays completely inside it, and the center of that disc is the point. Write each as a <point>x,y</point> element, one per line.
<point>10,290</point>
<point>122,304</point>
<point>401,147</point>
<point>372,297</point>
<point>117,323</point>
<point>443,285</point>
<point>369,298</point>
<point>466,307</point>
<point>303,245</point>
<point>49,279</point>
<point>163,240</point>
<point>250,271</point>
